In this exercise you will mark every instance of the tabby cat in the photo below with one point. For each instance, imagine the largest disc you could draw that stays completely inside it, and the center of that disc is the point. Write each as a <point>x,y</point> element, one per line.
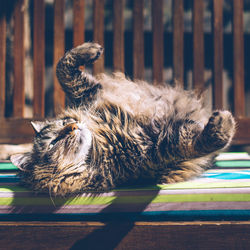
<point>118,132</point>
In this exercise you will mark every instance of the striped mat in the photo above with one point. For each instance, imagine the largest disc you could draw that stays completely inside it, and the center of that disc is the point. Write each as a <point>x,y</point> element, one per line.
<point>221,193</point>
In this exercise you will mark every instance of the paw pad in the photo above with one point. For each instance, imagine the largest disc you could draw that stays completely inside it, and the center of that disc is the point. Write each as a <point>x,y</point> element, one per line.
<point>221,127</point>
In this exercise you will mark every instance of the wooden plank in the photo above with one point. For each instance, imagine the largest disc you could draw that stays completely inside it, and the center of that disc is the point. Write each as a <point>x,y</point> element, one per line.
<point>78,22</point>
<point>242,135</point>
<point>125,235</point>
<point>178,40</point>
<point>2,64</point>
<point>158,40</point>
<point>98,22</point>
<point>39,58</point>
<point>138,39</point>
<point>238,58</point>
<point>198,46</point>
<point>118,38</point>
<point>218,54</point>
<point>19,55</point>
<point>59,96</point>
<point>16,131</point>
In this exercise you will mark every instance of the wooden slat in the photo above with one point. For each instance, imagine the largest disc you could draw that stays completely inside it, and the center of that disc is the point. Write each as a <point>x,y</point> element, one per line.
<point>242,135</point>
<point>98,22</point>
<point>19,55</point>
<point>178,40</point>
<point>2,64</point>
<point>79,23</point>
<point>59,96</point>
<point>238,58</point>
<point>198,46</point>
<point>118,39</point>
<point>218,54</point>
<point>158,40</point>
<point>125,235</point>
<point>16,131</point>
<point>39,58</point>
<point>138,40</point>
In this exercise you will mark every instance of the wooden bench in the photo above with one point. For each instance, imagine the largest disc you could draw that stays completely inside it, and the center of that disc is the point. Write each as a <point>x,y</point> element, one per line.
<point>36,229</point>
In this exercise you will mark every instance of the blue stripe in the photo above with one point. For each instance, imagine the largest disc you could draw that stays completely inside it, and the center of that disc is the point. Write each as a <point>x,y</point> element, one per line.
<point>10,179</point>
<point>245,174</point>
<point>202,215</point>
<point>8,175</point>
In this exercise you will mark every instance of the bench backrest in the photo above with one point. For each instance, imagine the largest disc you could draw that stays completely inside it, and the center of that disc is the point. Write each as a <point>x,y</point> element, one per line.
<point>16,129</point>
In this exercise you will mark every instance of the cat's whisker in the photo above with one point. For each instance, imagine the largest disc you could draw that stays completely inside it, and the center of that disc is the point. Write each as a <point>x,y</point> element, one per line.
<point>51,198</point>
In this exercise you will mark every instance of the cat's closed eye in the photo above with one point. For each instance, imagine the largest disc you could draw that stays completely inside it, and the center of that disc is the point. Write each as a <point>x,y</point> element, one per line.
<point>68,120</point>
<point>52,143</point>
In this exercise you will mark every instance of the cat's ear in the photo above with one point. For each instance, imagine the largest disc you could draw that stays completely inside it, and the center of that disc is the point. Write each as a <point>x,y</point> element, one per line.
<point>21,160</point>
<point>37,126</point>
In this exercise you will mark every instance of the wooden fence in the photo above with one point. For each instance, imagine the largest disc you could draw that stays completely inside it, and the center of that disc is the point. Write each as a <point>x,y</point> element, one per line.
<point>17,129</point>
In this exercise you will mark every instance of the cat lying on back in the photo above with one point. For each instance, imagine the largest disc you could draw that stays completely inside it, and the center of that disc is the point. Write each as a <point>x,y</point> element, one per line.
<point>119,132</point>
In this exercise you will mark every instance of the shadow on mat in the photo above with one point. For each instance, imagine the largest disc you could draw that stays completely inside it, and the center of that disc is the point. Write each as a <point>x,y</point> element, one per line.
<point>111,234</point>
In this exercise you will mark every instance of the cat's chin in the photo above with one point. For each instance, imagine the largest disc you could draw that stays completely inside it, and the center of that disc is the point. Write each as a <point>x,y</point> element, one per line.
<point>84,139</point>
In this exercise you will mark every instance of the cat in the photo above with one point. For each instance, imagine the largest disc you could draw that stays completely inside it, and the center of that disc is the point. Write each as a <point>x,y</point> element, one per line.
<point>118,132</point>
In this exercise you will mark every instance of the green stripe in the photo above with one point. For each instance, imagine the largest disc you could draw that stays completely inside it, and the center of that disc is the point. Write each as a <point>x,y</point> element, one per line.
<point>7,166</point>
<point>13,189</point>
<point>39,201</point>
<point>232,164</point>
<point>181,185</point>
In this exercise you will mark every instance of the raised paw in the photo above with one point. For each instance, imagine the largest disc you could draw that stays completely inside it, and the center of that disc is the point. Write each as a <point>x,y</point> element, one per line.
<point>219,130</point>
<point>87,52</point>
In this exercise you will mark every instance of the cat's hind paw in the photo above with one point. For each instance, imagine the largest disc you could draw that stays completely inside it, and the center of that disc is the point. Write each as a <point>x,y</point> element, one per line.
<point>219,130</point>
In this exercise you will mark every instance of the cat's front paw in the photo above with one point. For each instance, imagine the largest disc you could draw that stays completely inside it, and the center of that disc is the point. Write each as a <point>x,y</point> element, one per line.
<point>220,128</point>
<point>88,52</point>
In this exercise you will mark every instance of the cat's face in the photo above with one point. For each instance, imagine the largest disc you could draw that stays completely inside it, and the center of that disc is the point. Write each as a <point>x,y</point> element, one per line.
<point>62,142</point>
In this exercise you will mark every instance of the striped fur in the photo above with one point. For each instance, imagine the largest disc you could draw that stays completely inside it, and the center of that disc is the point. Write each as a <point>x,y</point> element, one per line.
<point>118,132</point>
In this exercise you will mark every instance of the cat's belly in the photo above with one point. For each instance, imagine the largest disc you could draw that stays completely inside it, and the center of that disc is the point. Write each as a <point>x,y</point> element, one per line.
<point>143,99</point>
<point>136,99</point>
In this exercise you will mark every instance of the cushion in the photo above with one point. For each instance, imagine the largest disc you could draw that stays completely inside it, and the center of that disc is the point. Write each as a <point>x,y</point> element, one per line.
<point>221,193</point>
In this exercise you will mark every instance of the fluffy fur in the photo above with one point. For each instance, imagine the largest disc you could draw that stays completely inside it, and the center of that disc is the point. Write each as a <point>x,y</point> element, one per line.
<point>118,132</point>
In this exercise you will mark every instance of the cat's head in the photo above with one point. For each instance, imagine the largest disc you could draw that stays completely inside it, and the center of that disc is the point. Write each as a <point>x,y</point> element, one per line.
<point>58,143</point>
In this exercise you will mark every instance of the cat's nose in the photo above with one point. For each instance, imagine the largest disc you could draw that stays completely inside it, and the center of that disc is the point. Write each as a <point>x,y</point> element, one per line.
<point>71,127</point>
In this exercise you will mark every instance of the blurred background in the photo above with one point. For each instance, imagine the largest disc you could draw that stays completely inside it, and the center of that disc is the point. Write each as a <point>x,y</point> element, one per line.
<point>7,9</point>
